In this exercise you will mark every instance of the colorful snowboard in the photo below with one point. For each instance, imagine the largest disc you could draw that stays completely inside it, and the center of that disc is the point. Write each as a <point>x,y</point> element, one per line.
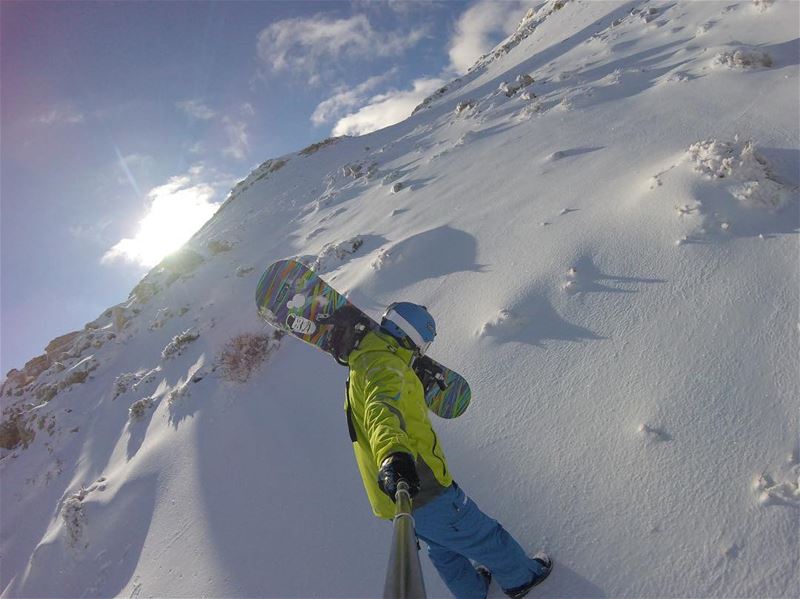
<point>291,297</point>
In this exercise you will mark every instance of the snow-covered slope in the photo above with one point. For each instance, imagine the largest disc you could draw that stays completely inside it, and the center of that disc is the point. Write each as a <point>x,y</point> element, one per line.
<point>611,253</point>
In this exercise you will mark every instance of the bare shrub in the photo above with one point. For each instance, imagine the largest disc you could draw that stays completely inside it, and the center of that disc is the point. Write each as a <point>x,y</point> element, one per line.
<point>175,347</point>
<point>743,58</point>
<point>245,353</point>
<point>139,408</point>
<point>74,517</point>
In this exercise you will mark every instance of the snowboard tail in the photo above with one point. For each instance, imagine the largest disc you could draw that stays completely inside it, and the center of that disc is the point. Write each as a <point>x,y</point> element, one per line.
<point>293,298</point>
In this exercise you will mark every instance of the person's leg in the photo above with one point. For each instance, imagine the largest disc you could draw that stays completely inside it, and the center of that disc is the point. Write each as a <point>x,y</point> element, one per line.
<point>456,523</point>
<point>456,571</point>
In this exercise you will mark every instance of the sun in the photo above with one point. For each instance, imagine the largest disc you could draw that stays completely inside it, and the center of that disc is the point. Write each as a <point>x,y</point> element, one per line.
<point>176,211</point>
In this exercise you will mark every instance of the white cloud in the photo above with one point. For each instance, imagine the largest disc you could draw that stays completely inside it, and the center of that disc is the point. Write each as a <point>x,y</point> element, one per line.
<point>196,109</point>
<point>175,212</point>
<point>481,27</point>
<point>63,115</point>
<point>403,8</point>
<point>386,109</point>
<point>347,98</point>
<point>233,123</point>
<point>238,142</point>
<point>302,44</point>
<point>478,30</point>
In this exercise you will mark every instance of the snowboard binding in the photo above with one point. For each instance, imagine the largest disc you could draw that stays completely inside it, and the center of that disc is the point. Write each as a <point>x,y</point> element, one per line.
<point>349,327</point>
<point>429,373</point>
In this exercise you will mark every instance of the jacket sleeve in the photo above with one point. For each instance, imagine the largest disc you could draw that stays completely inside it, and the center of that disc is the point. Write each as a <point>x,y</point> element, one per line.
<point>384,420</point>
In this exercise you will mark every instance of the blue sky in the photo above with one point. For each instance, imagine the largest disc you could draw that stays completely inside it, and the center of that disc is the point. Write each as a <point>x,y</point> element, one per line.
<point>118,115</point>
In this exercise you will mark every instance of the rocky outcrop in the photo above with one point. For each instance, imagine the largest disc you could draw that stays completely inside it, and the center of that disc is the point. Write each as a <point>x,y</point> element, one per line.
<point>55,352</point>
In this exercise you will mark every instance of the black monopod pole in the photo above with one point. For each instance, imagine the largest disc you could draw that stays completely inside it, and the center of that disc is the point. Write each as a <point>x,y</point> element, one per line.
<point>404,576</point>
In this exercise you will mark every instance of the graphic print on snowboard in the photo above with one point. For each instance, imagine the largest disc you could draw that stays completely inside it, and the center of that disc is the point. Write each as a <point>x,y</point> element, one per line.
<point>293,298</point>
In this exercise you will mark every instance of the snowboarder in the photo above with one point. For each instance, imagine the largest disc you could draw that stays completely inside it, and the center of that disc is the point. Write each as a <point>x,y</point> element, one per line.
<point>393,439</point>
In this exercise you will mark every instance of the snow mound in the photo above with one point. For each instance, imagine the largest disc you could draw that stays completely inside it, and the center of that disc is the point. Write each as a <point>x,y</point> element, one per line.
<point>332,255</point>
<point>781,488</point>
<point>503,324</point>
<point>732,191</point>
<point>751,180</point>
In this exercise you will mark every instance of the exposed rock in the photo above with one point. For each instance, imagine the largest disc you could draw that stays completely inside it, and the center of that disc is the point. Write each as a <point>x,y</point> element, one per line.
<point>162,316</point>
<point>435,95</point>
<point>509,89</point>
<point>139,408</point>
<point>217,246</point>
<point>61,344</point>
<point>46,392</point>
<point>357,170</point>
<point>15,432</point>
<point>119,318</point>
<point>532,19</point>
<point>307,151</point>
<point>36,366</point>
<point>77,376</point>
<point>524,80</point>
<point>262,171</point>
<point>144,291</point>
<point>464,105</point>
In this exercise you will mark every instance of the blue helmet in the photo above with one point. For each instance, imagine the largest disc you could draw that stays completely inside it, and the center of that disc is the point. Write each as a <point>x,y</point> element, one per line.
<point>411,324</point>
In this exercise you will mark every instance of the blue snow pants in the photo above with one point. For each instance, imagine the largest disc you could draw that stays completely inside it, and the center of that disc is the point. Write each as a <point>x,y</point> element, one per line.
<point>457,531</point>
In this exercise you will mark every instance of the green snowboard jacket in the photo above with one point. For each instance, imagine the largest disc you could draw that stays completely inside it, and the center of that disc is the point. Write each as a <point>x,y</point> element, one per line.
<point>387,413</point>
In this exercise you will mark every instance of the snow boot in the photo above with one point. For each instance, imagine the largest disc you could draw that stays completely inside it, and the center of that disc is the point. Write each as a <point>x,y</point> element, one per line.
<point>485,574</point>
<point>521,591</point>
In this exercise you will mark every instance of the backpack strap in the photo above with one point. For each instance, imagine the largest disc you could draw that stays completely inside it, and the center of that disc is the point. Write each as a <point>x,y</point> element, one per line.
<point>351,429</point>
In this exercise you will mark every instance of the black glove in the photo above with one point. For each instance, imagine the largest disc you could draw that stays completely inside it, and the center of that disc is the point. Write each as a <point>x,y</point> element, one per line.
<point>397,467</point>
